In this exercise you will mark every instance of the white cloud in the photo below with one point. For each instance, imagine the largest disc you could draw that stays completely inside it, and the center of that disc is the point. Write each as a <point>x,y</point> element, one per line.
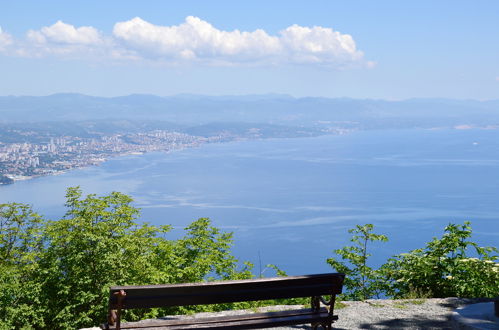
<point>193,41</point>
<point>64,34</point>
<point>65,40</point>
<point>196,39</point>
<point>318,45</point>
<point>497,78</point>
<point>5,40</point>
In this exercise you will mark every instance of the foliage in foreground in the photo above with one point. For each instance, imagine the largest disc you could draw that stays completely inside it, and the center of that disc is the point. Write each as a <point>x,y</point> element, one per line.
<point>57,274</point>
<point>444,268</point>
<point>361,281</point>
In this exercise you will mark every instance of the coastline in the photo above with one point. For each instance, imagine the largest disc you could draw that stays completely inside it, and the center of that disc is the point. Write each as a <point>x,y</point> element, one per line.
<point>95,162</point>
<point>99,159</point>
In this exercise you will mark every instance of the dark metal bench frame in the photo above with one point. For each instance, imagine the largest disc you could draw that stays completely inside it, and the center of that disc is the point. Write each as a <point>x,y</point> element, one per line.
<point>150,296</point>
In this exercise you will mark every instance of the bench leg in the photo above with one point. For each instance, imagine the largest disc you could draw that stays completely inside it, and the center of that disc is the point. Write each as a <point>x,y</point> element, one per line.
<point>116,314</point>
<point>111,318</point>
<point>316,305</point>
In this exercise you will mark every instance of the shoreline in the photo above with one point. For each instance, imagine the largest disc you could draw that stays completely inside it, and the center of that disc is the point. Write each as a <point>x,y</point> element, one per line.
<point>95,162</point>
<point>99,160</point>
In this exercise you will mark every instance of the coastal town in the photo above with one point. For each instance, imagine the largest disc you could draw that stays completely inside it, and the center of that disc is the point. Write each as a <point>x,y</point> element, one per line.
<point>21,161</point>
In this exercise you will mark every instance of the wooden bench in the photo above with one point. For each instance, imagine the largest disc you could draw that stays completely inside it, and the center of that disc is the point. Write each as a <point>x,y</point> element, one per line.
<point>148,296</point>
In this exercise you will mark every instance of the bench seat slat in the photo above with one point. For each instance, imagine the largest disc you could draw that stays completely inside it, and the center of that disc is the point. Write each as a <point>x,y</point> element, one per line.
<point>244,321</point>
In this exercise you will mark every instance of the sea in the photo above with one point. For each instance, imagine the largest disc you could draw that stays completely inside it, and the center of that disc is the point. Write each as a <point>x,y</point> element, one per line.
<point>290,202</point>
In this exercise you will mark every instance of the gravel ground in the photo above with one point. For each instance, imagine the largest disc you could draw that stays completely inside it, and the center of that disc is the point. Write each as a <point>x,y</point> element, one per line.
<point>399,314</point>
<point>380,314</point>
<point>396,314</point>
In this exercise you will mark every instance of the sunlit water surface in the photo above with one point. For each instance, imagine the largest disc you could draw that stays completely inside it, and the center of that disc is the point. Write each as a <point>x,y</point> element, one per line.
<point>291,201</point>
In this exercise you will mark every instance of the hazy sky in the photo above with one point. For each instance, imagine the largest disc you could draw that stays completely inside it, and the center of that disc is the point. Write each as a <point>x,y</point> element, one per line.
<point>361,49</point>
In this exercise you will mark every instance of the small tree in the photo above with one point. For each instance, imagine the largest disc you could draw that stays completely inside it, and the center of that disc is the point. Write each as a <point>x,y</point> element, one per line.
<point>362,282</point>
<point>21,246</point>
<point>96,245</point>
<point>57,274</point>
<point>444,269</point>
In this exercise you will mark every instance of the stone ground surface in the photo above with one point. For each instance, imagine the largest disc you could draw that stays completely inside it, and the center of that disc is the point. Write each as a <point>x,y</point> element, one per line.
<point>480,316</point>
<point>379,314</point>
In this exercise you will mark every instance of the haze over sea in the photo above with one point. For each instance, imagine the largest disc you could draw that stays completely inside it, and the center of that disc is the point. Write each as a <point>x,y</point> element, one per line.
<point>291,201</point>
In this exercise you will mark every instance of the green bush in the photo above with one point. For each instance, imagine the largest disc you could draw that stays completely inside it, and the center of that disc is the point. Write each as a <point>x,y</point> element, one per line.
<point>57,274</point>
<point>20,249</point>
<point>444,268</point>
<point>361,281</point>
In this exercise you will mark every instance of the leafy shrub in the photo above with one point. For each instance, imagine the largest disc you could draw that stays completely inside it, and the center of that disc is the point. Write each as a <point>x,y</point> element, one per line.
<point>361,281</point>
<point>20,246</point>
<point>444,268</point>
<point>57,274</point>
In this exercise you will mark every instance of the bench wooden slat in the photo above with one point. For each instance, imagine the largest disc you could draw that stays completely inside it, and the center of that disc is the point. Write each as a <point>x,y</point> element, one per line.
<point>149,296</point>
<point>248,316</point>
<point>245,321</point>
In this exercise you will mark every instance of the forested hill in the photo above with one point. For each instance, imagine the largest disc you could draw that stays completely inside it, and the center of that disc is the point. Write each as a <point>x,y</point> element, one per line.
<point>265,109</point>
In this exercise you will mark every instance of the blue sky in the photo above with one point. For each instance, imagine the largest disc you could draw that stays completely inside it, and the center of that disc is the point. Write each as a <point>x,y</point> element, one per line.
<point>360,49</point>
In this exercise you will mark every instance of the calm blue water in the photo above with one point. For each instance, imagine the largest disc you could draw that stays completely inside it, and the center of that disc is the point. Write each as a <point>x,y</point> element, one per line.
<point>291,201</point>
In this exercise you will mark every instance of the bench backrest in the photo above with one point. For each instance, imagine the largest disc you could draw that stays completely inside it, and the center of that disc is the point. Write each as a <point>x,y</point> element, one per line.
<point>148,296</point>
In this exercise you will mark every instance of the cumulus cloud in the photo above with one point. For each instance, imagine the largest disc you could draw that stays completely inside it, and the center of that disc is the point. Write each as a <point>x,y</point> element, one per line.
<point>193,41</point>
<point>63,39</point>
<point>318,45</point>
<point>62,33</point>
<point>196,39</point>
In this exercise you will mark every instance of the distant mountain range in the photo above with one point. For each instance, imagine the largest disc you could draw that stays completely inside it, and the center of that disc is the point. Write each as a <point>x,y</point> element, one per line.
<point>271,109</point>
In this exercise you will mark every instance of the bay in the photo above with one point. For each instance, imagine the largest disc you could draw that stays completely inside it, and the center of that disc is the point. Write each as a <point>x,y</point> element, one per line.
<point>290,202</point>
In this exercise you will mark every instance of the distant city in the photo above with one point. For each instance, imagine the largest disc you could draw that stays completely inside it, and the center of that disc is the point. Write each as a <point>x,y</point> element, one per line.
<point>24,160</point>
<point>20,161</point>
<point>53,155</point>
<point>52,134</point>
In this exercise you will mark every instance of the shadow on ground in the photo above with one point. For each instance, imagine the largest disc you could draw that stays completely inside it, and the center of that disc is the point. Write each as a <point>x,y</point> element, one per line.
<point>408,323</point>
